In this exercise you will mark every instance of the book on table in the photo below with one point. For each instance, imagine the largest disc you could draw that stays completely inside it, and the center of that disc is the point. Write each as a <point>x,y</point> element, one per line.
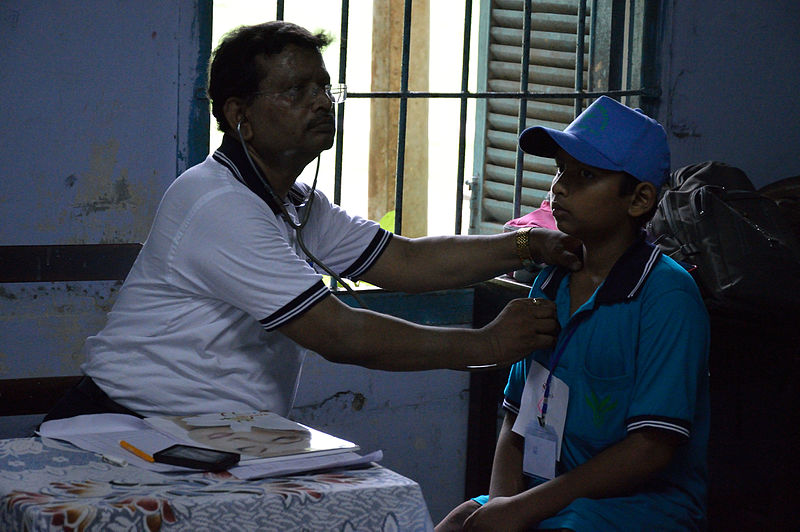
<point>257,436</point>
<point>269,444</point>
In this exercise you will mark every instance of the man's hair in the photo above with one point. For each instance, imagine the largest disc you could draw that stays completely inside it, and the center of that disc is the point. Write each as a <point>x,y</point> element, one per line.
<point>626,187</point>
<point>234,72</point>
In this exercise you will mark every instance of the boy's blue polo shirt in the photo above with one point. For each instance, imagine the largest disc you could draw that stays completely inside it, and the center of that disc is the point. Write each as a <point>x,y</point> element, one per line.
<point>638,358</point>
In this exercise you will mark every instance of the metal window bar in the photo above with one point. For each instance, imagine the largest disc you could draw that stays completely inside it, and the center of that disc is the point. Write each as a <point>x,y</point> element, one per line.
<point>592,45</point>
<point>579,94</point>
<point>523,105</point>
<point>631,9</point>
<point>401,126</point>
<point>579,56</point>
<point>462,130</point>
<point>337,180</point>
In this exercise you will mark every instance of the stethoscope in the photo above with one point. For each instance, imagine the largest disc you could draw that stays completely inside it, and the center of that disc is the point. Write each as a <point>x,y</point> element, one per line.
<point>297,227</point>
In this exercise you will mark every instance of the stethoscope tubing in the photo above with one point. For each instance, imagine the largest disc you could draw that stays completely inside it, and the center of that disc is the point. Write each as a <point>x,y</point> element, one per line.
<point>297,227</point>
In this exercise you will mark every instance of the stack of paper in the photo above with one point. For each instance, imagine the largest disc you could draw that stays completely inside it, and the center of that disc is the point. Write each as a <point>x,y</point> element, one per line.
<point>270,445</point>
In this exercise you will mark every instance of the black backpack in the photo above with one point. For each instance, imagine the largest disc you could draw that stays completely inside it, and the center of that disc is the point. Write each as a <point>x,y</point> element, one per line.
<point>746,254</point>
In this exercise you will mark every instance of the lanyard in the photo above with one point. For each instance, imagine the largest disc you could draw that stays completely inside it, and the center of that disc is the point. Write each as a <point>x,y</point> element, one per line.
<point>554,360</point>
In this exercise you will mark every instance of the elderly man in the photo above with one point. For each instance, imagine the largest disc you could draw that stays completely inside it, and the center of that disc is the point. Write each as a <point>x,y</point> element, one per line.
<point>227,295</point>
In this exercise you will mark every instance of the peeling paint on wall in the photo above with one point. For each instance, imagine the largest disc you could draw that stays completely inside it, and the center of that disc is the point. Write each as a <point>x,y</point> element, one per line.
<point>337,405</point>
<point>104,194</point>
<point>100,205</point>
<point>43,325</point>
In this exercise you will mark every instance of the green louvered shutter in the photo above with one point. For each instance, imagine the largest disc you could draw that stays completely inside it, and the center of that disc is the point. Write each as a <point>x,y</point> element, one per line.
<point>618,42</point>
<point>551,70</point>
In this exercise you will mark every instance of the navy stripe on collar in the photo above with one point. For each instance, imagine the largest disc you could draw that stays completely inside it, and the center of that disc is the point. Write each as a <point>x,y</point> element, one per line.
<point>231,155</point>
<point>625,279</point>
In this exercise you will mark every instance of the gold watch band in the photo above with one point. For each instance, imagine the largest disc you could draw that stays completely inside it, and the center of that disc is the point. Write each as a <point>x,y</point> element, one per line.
<point>523,248</point>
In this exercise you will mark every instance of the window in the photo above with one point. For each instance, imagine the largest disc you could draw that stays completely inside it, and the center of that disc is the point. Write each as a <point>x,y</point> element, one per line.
<point>617,42</point>
<point>616,58</point>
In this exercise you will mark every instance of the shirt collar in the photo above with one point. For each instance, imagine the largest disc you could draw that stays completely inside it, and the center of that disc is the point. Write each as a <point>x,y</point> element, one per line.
<point>625,279</point>
<point>231,155</point>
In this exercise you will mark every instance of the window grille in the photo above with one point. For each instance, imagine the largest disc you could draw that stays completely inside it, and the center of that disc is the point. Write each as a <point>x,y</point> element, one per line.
<point>543,86</point>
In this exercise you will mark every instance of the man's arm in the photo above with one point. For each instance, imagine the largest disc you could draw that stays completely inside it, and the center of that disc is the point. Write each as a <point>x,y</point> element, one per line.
<point>439,262</point>
<point>356,336</point>
<point>616,471</point>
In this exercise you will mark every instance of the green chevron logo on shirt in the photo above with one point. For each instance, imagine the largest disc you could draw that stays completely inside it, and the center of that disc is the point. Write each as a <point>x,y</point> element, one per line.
<point>600,407</point>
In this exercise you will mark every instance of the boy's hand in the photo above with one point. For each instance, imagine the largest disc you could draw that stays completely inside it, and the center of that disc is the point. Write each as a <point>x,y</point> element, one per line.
<point>523,326</point>
<point>500,514</point>
<point>554,247</point>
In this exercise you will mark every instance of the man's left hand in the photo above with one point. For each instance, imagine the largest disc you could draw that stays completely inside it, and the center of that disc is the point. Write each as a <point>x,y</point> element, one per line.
<point>554,247</point>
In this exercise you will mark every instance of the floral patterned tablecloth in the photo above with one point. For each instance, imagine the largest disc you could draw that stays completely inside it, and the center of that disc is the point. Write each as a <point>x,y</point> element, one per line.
<point>49,485</point>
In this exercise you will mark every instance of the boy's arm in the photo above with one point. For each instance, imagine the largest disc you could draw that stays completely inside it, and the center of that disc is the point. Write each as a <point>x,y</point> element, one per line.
<point>616,471</point>
<point>507,478</point>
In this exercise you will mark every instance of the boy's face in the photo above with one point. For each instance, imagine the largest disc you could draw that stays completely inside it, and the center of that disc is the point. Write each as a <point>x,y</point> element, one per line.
<point>586,201</point>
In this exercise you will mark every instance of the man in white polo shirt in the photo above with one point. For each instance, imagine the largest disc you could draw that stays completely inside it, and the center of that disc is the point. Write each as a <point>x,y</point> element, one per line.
<point>227,296</point>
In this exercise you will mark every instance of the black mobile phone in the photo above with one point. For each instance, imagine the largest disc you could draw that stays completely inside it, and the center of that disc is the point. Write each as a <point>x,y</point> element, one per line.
<point>196,457</point>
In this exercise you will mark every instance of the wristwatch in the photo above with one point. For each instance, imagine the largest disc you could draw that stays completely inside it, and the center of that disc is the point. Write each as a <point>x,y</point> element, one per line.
<point>523,248</point>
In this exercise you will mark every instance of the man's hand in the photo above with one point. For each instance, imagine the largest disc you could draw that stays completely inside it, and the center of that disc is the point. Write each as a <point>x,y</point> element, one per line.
<point>555,247</point>
<point>439,262</point>
<point>523,326</point>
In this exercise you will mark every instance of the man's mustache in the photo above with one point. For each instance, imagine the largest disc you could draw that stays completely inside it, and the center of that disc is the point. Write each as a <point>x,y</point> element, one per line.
<point>328,119</point>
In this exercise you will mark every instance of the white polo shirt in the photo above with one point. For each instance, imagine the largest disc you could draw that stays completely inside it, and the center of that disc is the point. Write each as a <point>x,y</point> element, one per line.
<point>193,328</point>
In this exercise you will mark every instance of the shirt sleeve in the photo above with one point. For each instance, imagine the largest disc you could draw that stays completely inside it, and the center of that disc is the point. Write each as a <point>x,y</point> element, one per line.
<point>517,376</point>
<point>347,244</point>
<point>672,358</point>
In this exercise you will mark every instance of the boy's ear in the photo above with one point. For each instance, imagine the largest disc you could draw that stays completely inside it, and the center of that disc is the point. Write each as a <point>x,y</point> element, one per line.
<point>644,198</point>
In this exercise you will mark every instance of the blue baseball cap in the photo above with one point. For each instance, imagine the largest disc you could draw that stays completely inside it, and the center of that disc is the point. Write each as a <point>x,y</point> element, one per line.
<point>610,136</point>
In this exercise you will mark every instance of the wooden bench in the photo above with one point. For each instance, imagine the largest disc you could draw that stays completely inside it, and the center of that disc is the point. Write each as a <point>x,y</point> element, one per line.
<point>56,263</point>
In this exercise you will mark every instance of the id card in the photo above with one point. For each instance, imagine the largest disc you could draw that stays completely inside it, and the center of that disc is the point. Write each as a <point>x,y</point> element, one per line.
<point>530,407</point>
<point>539,459</point>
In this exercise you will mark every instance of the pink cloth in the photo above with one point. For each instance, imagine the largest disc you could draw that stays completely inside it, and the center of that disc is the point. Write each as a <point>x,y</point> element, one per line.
<point>541,217</point>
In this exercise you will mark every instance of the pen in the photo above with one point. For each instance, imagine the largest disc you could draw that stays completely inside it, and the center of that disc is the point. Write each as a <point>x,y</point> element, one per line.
<point>138,452</point>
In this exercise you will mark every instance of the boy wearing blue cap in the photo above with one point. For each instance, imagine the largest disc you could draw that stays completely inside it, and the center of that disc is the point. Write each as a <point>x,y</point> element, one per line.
<point>608,429</point>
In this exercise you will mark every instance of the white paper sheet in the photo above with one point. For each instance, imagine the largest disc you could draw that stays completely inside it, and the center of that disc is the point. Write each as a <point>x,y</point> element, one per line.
<point>530,406</point>
<point>101,433</point>
<point>301,465</point>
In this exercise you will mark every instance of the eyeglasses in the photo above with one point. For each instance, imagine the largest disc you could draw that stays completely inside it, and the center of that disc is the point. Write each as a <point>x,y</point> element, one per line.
<point>304,95</point>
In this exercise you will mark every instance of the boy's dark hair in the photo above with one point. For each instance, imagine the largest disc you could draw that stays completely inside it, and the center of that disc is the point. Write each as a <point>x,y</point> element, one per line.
<point>627,186</point>
<point>234,72</point>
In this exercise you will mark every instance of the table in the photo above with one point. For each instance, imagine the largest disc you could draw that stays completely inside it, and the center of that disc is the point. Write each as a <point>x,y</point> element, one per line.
<point>51,485</point>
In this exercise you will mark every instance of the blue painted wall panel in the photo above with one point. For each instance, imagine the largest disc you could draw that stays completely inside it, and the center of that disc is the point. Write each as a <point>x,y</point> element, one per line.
<point>43,325</point>
<point>94,118</point>
<point>730,83</point>
<point>417,419</point>
<point>93,96</point>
